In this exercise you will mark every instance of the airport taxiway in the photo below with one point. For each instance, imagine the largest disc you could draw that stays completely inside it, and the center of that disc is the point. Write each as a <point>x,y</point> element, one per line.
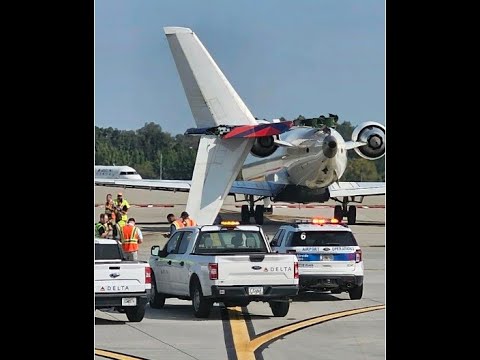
<point>318,326</point>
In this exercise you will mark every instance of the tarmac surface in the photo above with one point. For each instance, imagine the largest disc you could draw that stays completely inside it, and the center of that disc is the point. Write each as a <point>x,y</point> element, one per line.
<point>318,325</point>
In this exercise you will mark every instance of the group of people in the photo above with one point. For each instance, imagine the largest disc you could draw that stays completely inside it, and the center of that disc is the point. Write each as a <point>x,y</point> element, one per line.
<point>176,224</point>
<point>115,224</point>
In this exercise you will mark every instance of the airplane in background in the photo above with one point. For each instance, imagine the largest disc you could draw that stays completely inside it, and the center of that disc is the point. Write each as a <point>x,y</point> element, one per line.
<point>279,160</point>
<point>116,172</point>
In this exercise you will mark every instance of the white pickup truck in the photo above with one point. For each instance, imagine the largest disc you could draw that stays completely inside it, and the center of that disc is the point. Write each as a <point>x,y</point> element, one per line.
<point>124,285</point>
<point>227,263</point>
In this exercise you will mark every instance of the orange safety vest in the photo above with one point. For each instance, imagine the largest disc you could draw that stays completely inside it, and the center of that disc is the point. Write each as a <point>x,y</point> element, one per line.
<point>190,222</point>
<point>178,224</point>
<point>129,238</point>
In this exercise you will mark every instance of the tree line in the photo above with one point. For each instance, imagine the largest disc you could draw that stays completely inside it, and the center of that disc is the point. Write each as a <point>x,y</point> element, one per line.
<point>155,153</point>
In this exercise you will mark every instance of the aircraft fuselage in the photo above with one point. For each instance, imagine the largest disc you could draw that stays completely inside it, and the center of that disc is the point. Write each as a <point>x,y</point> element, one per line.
<point>316,160</point>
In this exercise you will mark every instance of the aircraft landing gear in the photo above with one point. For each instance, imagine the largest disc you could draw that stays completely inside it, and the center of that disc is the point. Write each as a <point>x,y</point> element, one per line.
<point>341,210</point>
<point>252,211</point>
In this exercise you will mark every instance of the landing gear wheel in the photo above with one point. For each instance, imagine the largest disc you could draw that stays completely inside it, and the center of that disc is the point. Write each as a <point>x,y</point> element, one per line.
<point>157,300</point>
<point>201,306</point>
<point>356,293</point>
<point>245,214</point>
<point>279,309</point>
<point>352,215</point>
<point>259,214</point>
<point>136,313</point>
<point>338,212</point>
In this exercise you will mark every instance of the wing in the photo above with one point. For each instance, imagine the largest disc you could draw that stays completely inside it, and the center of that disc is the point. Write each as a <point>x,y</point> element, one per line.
<point>165,185</point>
<point>356,189</point>
<point>257,188</point>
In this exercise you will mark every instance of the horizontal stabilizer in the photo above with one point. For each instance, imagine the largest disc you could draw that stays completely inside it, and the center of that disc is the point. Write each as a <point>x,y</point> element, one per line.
<point>356,188</point>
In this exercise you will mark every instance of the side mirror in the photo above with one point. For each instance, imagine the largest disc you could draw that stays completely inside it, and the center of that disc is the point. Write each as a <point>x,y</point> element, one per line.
<point>273,243</point>
<point>155,250</point>
<point>163,253</point>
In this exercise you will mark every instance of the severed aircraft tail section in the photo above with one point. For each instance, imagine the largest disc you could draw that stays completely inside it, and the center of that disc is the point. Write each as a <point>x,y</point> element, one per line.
<point>213,103</point>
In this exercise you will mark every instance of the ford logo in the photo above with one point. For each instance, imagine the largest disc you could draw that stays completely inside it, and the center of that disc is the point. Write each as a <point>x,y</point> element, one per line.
<point>326,249</point>
<point>256,267</point>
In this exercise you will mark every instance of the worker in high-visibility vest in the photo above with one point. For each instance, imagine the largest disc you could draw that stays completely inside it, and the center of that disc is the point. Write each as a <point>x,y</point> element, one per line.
<point>131,237</point>
<point>186,220</point>
<point>121,205</point>
<point>173,225</point>
<point>101,228</point>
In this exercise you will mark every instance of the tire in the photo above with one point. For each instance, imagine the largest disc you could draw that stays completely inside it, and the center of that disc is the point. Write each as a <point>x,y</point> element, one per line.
<point>338,212</point>
<point>259,214</point>
<point>157,300</point>
<point>279,308</point>
<point>352,215</point>
<point>201,306</point>
<point>245,214</point>
<point>356,293</point>
<point>136,313</point>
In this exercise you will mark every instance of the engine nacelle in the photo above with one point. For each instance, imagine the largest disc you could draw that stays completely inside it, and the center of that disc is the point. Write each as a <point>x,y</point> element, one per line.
<point>264,146</point>
<point>373,134</point>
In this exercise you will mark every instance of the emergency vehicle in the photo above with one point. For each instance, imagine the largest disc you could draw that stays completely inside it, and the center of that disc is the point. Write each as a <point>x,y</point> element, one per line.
<point>329,257</point>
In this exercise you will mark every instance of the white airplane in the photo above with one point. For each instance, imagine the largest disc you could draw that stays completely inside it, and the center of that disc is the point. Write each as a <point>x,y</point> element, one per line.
<point>279,161</point>
<point>116,172</point>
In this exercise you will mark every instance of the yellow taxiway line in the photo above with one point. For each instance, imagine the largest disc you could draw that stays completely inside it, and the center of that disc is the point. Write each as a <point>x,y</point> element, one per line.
<point>245,347</point>
<point>115,355</point>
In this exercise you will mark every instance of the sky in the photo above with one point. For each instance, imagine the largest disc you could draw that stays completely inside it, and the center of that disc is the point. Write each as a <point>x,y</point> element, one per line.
<point>284,58</point>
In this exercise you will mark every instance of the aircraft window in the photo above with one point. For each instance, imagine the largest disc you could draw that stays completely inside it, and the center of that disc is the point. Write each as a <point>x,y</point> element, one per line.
<point>123,173</point>
<point>130,173</point>
<point>322,238</point>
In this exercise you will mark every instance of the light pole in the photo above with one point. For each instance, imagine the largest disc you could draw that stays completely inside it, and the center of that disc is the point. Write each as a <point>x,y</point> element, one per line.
<point>161,165</point>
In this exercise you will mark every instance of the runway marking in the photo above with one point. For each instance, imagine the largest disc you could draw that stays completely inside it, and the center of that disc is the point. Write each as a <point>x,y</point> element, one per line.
<point>114,355</point>
<point>245,347</point>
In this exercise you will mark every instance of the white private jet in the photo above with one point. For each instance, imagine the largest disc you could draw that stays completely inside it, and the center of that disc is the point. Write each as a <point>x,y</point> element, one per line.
<point>279,160</point>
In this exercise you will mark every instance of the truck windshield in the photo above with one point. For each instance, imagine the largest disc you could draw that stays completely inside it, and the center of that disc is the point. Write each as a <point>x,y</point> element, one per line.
<point>107,252</point>
<point>230,241</point>
<point>322,238</point>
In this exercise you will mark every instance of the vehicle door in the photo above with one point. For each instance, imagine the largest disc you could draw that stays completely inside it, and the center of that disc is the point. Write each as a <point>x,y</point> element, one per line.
<point>275,243</point>
<point>182,264</point>
<point>162,267</point>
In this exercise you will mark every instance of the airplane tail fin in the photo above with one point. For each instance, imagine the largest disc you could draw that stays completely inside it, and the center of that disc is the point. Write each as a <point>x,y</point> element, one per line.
<point>211,97</point>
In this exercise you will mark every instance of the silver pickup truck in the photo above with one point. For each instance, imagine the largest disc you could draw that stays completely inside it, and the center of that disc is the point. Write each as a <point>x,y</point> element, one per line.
<point>123,285</point>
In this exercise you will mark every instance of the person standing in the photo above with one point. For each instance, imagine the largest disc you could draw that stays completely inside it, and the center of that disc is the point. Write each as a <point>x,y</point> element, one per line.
<point>101,228</point>
<point>121,205</point>
<point>131,238</point>
<point>186,220</point>
<point>110,207</point>
<point>173,225</point>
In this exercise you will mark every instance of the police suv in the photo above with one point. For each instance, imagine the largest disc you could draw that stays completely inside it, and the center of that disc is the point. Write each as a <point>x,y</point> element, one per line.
<point>329,257</point>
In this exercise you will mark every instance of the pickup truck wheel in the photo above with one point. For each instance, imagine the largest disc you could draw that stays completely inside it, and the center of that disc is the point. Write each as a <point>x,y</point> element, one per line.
<point>136,313</point>
<point>201,305</point>
<point>279,309</point>
<point>157,300</point>
<point>356,293</point>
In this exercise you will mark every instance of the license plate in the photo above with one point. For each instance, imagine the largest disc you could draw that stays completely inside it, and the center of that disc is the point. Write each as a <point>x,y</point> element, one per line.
<point>255,290</point>
<point>129,301</point>
<point>327,257</point>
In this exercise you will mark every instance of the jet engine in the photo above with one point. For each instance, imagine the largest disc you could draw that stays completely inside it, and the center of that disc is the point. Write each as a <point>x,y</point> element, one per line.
<point>264,146</point>
<point>373,134</point>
